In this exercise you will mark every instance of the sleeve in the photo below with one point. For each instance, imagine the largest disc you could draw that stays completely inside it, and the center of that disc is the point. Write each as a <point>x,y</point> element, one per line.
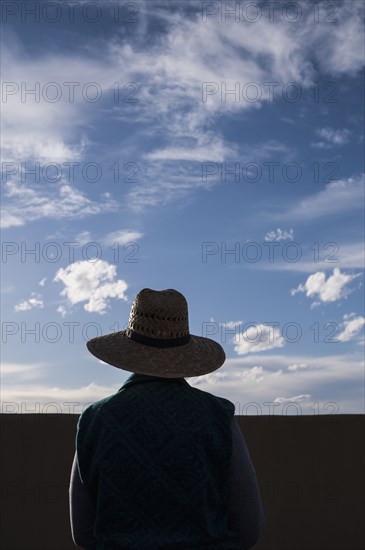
<point>246,512</point>
<point>82,511</point>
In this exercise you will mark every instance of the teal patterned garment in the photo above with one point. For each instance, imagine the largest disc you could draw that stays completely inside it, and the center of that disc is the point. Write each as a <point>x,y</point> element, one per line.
<point>155,459</point>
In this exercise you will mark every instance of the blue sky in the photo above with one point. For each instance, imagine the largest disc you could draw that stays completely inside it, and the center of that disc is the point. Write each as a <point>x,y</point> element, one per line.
<point>220,155</point>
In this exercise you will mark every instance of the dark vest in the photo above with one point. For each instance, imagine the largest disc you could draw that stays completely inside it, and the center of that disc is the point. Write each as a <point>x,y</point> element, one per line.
<point>155,459</point>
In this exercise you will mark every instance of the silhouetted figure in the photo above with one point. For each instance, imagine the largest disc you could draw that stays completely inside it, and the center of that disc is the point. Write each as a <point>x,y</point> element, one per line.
<point>161,464</point>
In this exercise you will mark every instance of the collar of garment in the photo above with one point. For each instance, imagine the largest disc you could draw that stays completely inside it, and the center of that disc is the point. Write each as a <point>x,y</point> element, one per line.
<point>135,378</point>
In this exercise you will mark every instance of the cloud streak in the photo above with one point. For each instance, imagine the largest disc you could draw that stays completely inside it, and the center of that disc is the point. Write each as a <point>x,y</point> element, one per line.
<point>171,72</point>
<point>338,197</point>
<point>258,338</point>
<point>332,138</point>
<point>62,201</point>
<point>34,302</point>
<point>351,327</point>
<point>244,380</point>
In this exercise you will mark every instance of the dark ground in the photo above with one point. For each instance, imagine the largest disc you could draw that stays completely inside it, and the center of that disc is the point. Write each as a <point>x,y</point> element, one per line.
<point>310,470</point>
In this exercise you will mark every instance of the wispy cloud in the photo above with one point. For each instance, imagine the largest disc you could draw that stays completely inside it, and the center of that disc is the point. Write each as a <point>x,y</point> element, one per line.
<point>213,150</point>
<point>338,197</point>
<point>279,235</point>
<point>25,371</point>
<point>254,374</point>
<point>294,399</point>
<point>334,56</point>
<point>165,180</point>
<point>258,338</point>
<point>242,380</point>
<point>231,324</point>
<point>332,138</point>
<point>35,302</point>
<point>351,326</point>
<point>62,201</point>
<point>295,367</point>
<point>342,255</point>
<point>122,236</point>
<point>178,124</point>
<point>83,238</point>
<point>288,120</point>
<point>171,73</point>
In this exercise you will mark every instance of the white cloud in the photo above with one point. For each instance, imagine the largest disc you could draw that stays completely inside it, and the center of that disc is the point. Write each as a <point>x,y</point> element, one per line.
<point>90,282</point>
<point>35,127</point>
<point>210,378</point>
<point>83,238</point>
<point>62,310</point>
<point>348,255</point>
<point>42,398</point>
<point>294,399</point>
<point>330,290</point>
<point>332,137</point>
<point>62,201</point>
<point>122,236</point>
<point>295,367</point>
<point>232,324</point>
<point>170,71</point>
<point>7,289</point>
<point>31,303</point>
<point>257,338</point>
<point>279,235</point>
<point>254,374</point>
<point>44,150</point>
<point>330,378</point>
<point>339,49</point>
<point>288,120</point>
<point>165,184</point>
<point>165,181</point>
<point>23,371</point>
<point>215,150</point>
<point>42,281</point>
<point>337,197</point>
<point>191,54</point>
<point>351,327</point>
<point>10,220</point>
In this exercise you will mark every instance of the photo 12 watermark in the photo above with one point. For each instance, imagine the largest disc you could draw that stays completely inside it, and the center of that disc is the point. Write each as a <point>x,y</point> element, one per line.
<point>54,252</point>
<point>268,251</point>
<point>70,172</point>
<point>271,12</point>
<point>53,92</point>
<point>252,92</point>
<point>69,12</point>
<point>54,331</point>
<point>270,332</point>
<point>272,410</point>
<point>291,409</point>
<point>270,171</point>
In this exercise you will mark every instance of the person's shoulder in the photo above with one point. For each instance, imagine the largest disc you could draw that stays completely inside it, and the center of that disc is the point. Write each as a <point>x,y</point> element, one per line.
<point>217,400</point>
<point>96,408</point>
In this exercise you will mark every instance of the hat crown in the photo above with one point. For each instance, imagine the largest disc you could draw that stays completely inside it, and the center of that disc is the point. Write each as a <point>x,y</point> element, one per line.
<point>160,314</point>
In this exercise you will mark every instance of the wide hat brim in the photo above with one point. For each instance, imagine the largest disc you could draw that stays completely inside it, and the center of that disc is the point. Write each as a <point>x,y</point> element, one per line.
<point>198,357</point>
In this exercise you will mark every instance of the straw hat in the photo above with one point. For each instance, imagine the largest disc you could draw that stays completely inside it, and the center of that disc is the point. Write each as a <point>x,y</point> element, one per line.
<point>157,341</point>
